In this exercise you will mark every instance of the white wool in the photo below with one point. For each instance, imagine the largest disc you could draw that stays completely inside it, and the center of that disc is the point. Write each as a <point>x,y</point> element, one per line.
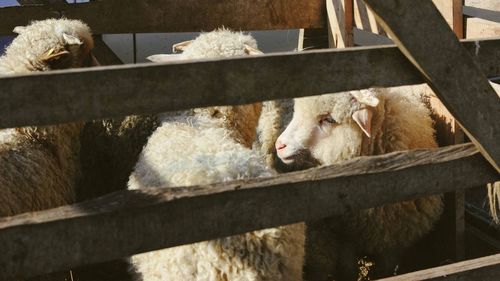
<point>203,146</point>
<point>40,165</point>
<point>401,121</point>
<point>219,43</point>
<point>24,53</point>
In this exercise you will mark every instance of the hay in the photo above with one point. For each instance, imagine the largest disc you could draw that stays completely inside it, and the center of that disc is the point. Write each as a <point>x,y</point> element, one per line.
<point>494,200</point>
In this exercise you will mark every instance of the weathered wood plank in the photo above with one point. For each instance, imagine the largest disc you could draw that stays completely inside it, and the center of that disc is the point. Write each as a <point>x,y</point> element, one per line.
<point>458,18</point>
<point>85,94</point>
<point>138,16</point>
<point>103,52</point>
<point>484,269</point>
<point>482,13</point>
<point>493,5</point>
<point>447,66</point>
<point>340,22</point>
<point>480,28</point>
<point>131,222</point>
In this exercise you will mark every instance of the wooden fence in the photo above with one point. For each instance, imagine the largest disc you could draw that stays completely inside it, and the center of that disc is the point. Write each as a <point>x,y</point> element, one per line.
<point>131,222</point>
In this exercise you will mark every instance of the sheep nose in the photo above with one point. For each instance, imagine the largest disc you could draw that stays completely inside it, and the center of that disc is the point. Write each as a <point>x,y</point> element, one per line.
<point>280,145</point>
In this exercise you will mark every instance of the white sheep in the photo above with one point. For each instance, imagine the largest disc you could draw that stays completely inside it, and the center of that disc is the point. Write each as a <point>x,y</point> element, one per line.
<point>210,145</point>
<point>39,166</point>
<point>336,127</point>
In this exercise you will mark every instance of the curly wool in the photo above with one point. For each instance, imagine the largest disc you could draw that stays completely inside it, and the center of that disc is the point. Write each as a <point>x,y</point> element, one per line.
<point>221,43</point>
<point>39,166</point>
<point>401,121</point>
<point>33,41</point>
<point>210,145</point>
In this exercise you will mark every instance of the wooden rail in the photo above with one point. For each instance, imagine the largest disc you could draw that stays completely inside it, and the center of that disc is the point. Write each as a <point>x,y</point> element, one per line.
<point>481,269</point>
<point>138,16</point>
<point>83,94</point>
<point>131,222</point>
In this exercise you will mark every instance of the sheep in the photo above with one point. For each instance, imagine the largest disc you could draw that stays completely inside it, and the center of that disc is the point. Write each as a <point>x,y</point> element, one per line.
<point>109,150</point>
<point>209,145</point>
<point>336,127</point>
<point>40,165</point>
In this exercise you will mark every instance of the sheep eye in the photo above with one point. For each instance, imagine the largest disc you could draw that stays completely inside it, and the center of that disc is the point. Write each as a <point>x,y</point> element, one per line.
<point>327,119</point>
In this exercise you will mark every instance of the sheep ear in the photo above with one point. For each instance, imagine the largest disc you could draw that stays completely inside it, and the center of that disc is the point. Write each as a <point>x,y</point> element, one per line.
<point>363,118</point>
<point>180,47</point>
<point>249,50</point>
<point>165,58</point>
<point>71,40</point>
<point>19,29</point>
<point>367,97</point>
<point>53,55</point>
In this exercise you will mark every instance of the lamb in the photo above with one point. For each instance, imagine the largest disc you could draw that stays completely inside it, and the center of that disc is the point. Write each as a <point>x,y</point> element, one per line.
<point>210,145</point>
<point>40,165</point>
<point>336,127</point>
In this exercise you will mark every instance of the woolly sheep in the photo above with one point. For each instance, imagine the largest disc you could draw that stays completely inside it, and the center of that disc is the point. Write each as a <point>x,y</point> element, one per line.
<point>39,166</point>
<point>109,150</point>
<point>213,145</point>
<point>337,127</point>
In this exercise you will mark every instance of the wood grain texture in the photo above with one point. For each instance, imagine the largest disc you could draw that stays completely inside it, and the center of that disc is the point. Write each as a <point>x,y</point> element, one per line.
<point>104,54</point>
<point>481,269</point>
<point>130,222</point>
<point>87,94</point>
<point>142,16</point>
<point>449,69</point>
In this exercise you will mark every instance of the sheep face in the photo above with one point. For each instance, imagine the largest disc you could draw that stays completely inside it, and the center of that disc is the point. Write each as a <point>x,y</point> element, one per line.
<point>330,128</point>
<point>49,44</point>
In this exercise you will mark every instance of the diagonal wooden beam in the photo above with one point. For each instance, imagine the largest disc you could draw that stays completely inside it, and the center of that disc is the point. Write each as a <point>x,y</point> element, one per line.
<point>104,54</point>
<point>424,37</point>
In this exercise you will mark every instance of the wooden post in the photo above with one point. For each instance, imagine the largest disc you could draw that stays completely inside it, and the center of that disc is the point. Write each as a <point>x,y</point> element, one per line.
<point>340,23</point>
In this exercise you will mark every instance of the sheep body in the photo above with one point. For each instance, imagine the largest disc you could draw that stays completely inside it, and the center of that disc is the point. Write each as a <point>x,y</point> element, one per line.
<point>109,150</point>
<point>210,145</point>
<point>40,165</point>
<point>398,120</point>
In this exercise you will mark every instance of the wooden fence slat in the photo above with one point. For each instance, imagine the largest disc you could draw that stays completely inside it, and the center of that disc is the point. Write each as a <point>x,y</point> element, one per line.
<point>449,69</point>
<point>130,222</point>
<point>482,13</point>
<point>104,53</point>
<point>84,94</point>
<point>138,16</point>
<point>481,269</point>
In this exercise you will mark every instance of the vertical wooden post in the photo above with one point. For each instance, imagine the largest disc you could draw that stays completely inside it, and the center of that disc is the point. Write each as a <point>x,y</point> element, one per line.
<point>458,18</point>
<point>340,23</point>
<point>349,22</point>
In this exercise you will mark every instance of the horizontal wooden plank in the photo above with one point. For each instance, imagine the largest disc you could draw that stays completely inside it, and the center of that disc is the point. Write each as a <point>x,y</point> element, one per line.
<point>482,13</point>
<point>492,5</point>
<point>480,28</point>
<point>84,94</point>
<point>138,16</point>
<point>449,69</point>
<point>130,222</point>
<point>484,269</point>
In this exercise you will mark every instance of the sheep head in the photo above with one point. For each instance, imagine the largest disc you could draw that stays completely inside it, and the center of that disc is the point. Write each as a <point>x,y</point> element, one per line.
<point>220,43</point>
<point>329,128</point>
<point>53,44</point>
